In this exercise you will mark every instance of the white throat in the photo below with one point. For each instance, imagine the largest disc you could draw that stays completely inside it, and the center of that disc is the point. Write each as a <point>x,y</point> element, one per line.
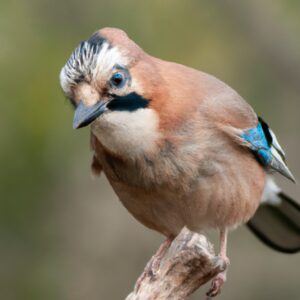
<point>126,133</point>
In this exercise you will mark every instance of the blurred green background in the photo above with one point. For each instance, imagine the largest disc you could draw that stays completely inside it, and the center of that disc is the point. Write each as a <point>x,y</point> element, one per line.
<point>64,236</point>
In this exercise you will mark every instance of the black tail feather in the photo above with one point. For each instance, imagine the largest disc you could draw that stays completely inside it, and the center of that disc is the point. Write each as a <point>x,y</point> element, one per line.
<point>278,226</point>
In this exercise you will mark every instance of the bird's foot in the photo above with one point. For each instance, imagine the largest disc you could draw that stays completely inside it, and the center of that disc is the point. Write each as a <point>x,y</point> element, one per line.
<point>152,266</point>
<point>218,282</point>
<point>216,285</point>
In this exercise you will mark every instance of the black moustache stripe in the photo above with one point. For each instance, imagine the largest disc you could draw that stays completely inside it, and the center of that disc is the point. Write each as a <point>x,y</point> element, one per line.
<point>130,102</point>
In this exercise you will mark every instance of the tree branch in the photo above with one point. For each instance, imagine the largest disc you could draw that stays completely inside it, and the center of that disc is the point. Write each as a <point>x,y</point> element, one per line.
<point>185,266</point>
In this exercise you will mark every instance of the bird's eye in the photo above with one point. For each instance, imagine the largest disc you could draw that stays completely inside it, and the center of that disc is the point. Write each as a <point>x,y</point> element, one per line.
<point>118,80</point>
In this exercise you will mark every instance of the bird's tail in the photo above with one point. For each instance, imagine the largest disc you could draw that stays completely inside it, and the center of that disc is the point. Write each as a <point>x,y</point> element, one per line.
<point>278,224</point>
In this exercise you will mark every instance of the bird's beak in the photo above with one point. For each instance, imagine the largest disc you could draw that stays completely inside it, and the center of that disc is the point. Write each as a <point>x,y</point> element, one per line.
<point>84,115</point>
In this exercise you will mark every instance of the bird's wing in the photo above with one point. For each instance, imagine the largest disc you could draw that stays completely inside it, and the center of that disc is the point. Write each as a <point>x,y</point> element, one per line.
<point>264,144</point>
<point>96,166</point>
<point>277,222</point>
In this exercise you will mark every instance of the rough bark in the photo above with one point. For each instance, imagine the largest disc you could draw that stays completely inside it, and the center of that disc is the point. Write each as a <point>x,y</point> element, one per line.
<point>186,265</point>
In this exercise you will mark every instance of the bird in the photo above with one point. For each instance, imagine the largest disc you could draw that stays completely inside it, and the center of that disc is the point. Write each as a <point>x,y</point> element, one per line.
<point>178,146</point>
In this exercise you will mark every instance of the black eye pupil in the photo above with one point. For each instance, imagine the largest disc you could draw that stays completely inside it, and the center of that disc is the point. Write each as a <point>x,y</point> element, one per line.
<point>117,79</point>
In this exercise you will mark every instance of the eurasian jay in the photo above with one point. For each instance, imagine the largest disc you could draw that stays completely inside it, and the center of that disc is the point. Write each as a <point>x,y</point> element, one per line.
<point>178,146</point>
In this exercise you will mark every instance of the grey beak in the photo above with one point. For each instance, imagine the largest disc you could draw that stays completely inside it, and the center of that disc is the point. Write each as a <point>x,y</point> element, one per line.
<point>84,115</point>
<point>282,169</point>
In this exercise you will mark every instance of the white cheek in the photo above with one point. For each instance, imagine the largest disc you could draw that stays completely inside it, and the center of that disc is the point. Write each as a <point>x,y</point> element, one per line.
<point>128,133</point>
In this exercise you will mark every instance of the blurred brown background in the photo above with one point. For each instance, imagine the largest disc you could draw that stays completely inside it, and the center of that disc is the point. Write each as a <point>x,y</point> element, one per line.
<point>64,236</point>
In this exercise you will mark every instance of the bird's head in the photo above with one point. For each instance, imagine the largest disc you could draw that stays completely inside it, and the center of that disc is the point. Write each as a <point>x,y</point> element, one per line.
<point>106,74</point>
<point>130,98</point>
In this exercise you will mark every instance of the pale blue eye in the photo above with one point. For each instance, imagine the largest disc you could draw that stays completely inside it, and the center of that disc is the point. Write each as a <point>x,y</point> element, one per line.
<point>118,80</point>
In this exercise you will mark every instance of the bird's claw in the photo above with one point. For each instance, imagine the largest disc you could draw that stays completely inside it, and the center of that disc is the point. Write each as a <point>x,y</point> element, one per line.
<point>216,285</point>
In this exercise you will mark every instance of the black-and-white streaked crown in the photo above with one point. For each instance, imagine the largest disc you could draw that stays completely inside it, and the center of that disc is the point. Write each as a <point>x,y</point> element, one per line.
<point>87,60</point>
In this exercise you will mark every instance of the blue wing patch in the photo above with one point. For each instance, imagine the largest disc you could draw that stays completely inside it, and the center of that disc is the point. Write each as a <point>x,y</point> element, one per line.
<point>258,143</point>
<point>263,142</point>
